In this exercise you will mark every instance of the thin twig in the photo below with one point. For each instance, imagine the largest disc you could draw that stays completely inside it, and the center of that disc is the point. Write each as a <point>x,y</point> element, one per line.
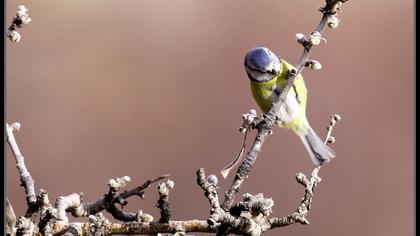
<point>299,216</point>
<point>19,20</point>
<point>249,217</point>
<point>74,202</point>
<point>163,202</point>
<point>266,125</point>
<point>209,186</point>
<point>25,176</point>
<point>329,139</point>
<point>138,191</point>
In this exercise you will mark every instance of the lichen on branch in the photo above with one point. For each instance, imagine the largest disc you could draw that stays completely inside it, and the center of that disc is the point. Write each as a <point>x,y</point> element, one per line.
<point>264,127</point>
<point>250,216</point>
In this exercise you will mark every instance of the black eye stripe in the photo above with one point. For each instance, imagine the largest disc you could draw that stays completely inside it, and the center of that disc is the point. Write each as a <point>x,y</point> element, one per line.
<point>258,76</point>
<point>261,71</point>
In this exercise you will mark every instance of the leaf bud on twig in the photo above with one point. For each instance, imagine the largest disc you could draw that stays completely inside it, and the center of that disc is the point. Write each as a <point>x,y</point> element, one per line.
<point>337,117</point>
<point>13,35</point>
<point>333,21</point>
<point>250,120</point>
<point>22,15</point>
<point>212,179</point>
<point>301,39</point>
<point>331,140</point>
<point>313,64</point>
<point>315,38</point>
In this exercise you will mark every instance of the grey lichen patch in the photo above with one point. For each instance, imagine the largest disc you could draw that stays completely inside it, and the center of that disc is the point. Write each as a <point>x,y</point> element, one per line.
<point>25,226</point>
<point>247,217</point>
<point>98,225</point>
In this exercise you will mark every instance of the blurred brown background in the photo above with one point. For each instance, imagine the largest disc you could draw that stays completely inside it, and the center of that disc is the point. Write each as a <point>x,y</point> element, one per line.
<point>143,88</point>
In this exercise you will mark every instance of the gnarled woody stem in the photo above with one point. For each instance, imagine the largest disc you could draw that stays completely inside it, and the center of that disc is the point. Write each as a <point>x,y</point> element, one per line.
<point>266,125</point>
<point>238,224</point>
<point>142,228</point>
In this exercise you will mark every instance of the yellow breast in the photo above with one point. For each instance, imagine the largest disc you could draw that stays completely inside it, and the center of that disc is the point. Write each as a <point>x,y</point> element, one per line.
<point>263,95</point>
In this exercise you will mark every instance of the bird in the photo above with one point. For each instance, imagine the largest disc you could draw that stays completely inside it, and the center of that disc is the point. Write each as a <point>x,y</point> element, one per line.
<point>268,73</point>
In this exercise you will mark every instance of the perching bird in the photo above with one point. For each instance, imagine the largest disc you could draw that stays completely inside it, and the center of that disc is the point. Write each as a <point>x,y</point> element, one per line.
<point>267,71</point>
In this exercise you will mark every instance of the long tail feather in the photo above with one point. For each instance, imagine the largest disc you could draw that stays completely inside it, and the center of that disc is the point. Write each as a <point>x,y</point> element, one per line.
<point>316,147</point>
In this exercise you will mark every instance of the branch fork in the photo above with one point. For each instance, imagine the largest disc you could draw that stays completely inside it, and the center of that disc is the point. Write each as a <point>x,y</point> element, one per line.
<point>265,126</point>
<point>250,216</point>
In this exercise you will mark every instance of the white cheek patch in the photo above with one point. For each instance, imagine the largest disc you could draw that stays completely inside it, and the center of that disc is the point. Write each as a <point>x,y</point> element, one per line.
<point>277,66</point>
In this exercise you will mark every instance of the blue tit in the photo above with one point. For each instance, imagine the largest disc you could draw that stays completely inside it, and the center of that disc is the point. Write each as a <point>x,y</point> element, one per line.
<point>266,72</point>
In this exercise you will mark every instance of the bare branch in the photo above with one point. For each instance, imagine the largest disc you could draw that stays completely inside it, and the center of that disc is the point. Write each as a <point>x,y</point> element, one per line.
<point>299,216</point>
<point>25,176</point>
<point>247,217</point>
<point>329,139</point>
<point>249,122</point>
<point>47,213</point>
<point>98,224</point>
<point>25,226</point>
<point>19,20</point>
<point>73,229</point>
<point>163,202</point>
<point>138,191</point>
<point>74,202</point>
<point>266,125</point>
<point>209,186</point>
<point>137,228</point>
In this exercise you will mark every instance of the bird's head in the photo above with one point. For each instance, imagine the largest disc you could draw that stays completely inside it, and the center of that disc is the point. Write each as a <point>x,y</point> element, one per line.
<point>261,64</point>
